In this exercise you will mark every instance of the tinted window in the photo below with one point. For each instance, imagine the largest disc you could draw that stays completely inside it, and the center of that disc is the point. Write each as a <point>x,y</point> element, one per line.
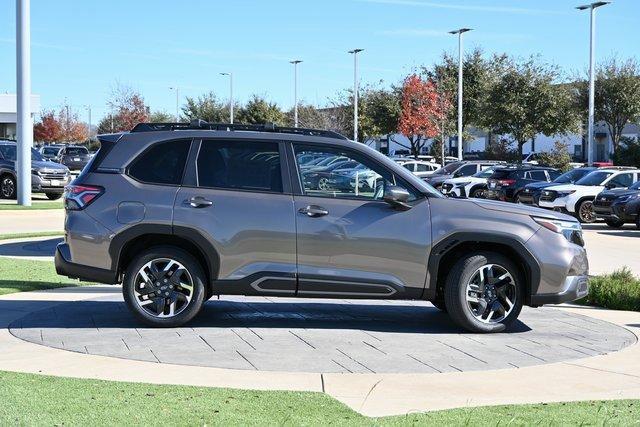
<point>74,151</point>
<point>50,150</point>
<point>408,166</point>
<point>9,153</point>
<point>467,170</point>
<point>538,175</point>
<point>163,163</point>
<point>423,168</point>
<point>244,165</point>
<point>622,180</point>
<point>635,186</point>
<point>594,178</point>
<point>572,176</point>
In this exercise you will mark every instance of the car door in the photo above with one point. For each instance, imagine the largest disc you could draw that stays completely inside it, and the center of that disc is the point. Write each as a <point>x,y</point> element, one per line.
<point>236,196</point>
<point>353,244</point>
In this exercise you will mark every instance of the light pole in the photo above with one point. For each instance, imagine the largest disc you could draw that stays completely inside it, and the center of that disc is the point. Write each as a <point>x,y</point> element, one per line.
<point>459,32</point>
<point>24,123</point>
<point>355,92</point>
<point>592,81</point>
<point>230,94</point>
<point>88,107</point>
<point>295,63</point>
<point>177,89</point>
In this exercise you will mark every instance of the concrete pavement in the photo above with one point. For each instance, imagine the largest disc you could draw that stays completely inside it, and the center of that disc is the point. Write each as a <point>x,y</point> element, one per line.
<point>29,221</point>
<point>610,249</point>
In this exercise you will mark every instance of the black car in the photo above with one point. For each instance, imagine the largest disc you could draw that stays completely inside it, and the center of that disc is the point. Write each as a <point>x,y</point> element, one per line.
<point>530,194</point>
<point>507,183</point>
<point>318,178</point>
<point>619,206</point>
<point>459,169</point>
<point>75,157</point>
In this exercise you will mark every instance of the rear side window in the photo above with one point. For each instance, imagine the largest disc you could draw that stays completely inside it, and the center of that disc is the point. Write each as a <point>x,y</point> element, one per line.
<point>163,163</point>
<point>244,165</point>
<point>538,175</point>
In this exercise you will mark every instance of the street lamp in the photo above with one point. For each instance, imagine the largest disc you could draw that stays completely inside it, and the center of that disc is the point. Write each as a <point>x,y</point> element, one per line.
<point>355,92</point>
<point>230,94</point>
<point>88,107</point>
<point>459,32</point>
<point>177,89</point>
<point>592,65</point>
<point>295,63</point>
<point>24,123</point>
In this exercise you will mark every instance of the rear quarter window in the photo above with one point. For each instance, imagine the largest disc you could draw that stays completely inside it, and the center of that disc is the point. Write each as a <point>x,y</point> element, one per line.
<point>163,163</point>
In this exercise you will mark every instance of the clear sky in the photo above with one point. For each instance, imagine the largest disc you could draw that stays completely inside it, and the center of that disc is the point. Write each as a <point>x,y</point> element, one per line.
<point>81,48</point>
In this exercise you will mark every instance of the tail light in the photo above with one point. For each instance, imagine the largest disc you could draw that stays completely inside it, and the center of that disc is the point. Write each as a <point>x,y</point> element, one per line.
<point>506,182</point>
<point>78,197</point>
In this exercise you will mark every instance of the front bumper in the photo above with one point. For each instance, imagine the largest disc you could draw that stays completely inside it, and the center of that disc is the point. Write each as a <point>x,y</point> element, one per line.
<point>614,212</point>
<point>43,184</point>
<point>559,204</point>
<point>575,287</point>
<point>64,267</point>
<point>528,198</point>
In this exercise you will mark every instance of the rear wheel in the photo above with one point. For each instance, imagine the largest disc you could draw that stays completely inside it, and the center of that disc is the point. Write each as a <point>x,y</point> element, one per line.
<point>484,292</point>
<point>614,223</point>
<point>164,287</point>
<point>478,193</point>
<point>53,196</point>
<point>585,212</point>
<point>8,187</point>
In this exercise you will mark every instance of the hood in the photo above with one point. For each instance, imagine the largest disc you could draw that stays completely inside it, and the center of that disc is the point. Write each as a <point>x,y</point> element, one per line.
<point>465,179</point>
<point>40,165</point>
<point>437,179</point>
<point>539,185</point>
<point>563,187</point>
<point>520,209</point>
<point>617,192</point>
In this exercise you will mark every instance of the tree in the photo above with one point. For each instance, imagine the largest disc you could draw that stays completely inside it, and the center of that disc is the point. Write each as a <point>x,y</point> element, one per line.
<point>558,157</point>
<point>259,111</point>
<point>525,101</point>
<point>308,117</point>
<point>161,117</point>
<point>48,128</point>
<point>617,95</point>
<point>628,153</point>
<point>127,110</point>
<point>206,107</point>
<point>421,112</point>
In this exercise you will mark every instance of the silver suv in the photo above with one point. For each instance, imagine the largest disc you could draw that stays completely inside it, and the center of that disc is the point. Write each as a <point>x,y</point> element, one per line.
<point>179,213</point>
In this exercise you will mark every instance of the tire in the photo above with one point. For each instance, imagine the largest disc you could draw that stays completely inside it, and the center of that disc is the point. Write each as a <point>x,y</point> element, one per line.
<point>323,184</point>
<point>8,187</point>
<point>584,212</point>
<point>465,274</point>
<point>439,304</point>
<point>53,196</point>
<point>185,307</point>
<point>478,193</point>
<point>614,224</point>
<point>638,220</point>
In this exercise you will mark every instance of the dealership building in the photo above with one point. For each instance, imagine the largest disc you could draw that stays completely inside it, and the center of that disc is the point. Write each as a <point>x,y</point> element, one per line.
<point>9,114</point>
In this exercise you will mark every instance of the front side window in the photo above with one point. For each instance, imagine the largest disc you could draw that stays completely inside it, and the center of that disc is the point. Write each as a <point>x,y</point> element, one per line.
<point>467,170</point>
<point>621,180</point>
<point>163,163</point>
<point>357,178</point>
<point>241,165</point>
<point>538,175</point>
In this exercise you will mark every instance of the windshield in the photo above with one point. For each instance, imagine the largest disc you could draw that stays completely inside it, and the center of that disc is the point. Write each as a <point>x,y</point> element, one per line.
<point>486,173</point>
<point>635,186</point>
<point>74,151</point>
<point>9,153</point>
<point>572,176</point>
<point>50,150</point>
<point>594,178</point>
<point>448,169</point>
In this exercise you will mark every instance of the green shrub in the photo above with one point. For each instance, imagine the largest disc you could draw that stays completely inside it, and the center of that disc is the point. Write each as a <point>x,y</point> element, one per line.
<point>558,157</point>
<point>619,290</point>
<point>627,153</point>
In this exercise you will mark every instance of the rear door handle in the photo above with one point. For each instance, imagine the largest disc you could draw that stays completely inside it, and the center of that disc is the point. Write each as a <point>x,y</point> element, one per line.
<point>314,211</point>
<point>198,202</point>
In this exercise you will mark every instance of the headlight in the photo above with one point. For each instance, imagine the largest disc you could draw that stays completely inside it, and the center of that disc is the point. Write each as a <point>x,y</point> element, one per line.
<point>565,193</point>
<point>626,198</point>
<point>571,230</point>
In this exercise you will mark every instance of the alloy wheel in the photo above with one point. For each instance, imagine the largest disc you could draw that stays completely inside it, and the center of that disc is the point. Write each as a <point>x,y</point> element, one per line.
<point>163,287</point>
<point>491,293</point>
<point>323,184</point>
<point>8,187</point>
<point>586,212</point>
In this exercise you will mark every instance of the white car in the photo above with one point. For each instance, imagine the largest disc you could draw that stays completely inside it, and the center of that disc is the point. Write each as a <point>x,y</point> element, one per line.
<point>577,199</point>
<point>420,168</point>
<point>468,186</point>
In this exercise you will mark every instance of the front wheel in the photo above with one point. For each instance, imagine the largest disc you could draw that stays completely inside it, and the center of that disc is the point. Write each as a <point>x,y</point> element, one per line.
<point>53,196</point>
<point>484,292</point>
<point>478,193</point>
<point>585,212</point>
<point>8,187</point>
<point>164,287</point>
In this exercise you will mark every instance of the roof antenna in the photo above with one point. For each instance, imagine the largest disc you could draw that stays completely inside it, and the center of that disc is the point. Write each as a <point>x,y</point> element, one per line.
<point>198,123</point>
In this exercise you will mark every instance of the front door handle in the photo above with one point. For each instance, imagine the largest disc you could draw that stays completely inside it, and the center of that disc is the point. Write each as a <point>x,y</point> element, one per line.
<point>198,202</point>
<point>314,211</point>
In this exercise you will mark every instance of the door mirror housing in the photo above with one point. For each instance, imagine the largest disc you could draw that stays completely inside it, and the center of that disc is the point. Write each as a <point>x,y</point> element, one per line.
<point>396,197</point>
<point>610,185</point>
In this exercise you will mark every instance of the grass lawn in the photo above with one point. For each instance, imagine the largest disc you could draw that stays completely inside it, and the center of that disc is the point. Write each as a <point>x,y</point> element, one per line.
<point>27,235</point>
<point>29,399</point>
<point>18,275</point>
<point>36,205</point>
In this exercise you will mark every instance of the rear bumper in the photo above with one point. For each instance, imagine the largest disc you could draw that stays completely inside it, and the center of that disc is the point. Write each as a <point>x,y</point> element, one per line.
<point>64,267</point>
<point>575,287</point>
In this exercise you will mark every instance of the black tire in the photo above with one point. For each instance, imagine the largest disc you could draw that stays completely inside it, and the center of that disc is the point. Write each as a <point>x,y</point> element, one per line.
<point>439,304</point>
<point>190,264</point>
<point>53,196</point>
<point>614,223</point>
<point>456,288</point>
<point>8,187</point>
<point>585,213</point>
<point>638,220</point>
<point>478,193</point>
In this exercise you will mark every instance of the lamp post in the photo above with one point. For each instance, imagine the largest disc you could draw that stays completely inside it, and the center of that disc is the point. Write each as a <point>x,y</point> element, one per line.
<point>177,89</point>
<point>459,32</point>
<point>24,122</point>
<point>295,63</point>
<point>230,95</point>
<point>88,107</point>
<point>355,92</point>
<point>592,65</point>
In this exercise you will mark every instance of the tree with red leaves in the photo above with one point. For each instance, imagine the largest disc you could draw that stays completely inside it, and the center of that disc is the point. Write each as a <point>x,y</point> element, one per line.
<point>423,111</point>
<point>61,127</point>
<point>127,110</point>
<point>48,129</point>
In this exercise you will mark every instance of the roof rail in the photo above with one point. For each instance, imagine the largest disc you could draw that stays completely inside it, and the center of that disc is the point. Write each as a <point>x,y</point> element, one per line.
<point>199,124</point>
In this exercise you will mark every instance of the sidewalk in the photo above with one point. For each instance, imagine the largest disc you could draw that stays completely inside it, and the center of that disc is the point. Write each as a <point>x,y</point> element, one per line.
<point>29,221</point>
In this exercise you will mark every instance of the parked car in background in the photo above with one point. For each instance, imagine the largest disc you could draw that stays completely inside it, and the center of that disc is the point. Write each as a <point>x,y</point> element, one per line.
<point>421,168</point>
<point>318,178</point>
<point>507,183</point>
<point>577,199</point>
<point>50,152</point>
<point>459,169</point>
<point>468,186</point>
<point>619,206</point>
<point>75,157</point>
<point>530,194</point>
<point>46,177</point>
<point>532,158</point>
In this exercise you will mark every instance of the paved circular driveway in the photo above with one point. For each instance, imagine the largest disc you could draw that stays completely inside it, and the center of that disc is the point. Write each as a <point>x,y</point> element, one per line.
<point>321,336</point>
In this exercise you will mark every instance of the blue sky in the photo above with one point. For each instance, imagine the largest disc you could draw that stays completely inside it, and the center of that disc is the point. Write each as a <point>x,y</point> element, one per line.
<point>81,48</point>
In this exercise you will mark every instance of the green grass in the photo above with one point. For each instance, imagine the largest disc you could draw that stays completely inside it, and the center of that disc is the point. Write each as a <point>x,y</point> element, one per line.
<point>29,399</point>
<point>36,205</point>
<point>619,290</point>
<point>17,275</point>
<point>27,235</point>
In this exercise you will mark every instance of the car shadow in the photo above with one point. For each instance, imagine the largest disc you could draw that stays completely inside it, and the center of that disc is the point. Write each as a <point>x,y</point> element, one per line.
<point>374,317</point>
<point>35,248</point>
<point>629,233</point>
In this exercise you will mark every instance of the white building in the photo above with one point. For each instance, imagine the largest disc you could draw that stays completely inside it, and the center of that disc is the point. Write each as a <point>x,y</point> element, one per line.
<point>8,114</point>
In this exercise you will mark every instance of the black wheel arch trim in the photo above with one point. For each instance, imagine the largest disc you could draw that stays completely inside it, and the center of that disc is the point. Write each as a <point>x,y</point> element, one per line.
<point>449,243</point>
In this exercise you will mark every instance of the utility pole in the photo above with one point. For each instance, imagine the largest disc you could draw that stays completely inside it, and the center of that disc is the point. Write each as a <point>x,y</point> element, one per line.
<point>592,80</point>
<point>355,92</point>
<point>88,107</point>
<point>177,89</point>
<point>230,94</point>
<point>459,32</point>
<point>295,91</point>
<point>24,122</point>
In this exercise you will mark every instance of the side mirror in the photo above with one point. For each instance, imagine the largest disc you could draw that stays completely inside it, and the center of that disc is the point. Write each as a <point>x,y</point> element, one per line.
<point>396,197</point>
<point>610,185</point>
<point>457,174</point>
